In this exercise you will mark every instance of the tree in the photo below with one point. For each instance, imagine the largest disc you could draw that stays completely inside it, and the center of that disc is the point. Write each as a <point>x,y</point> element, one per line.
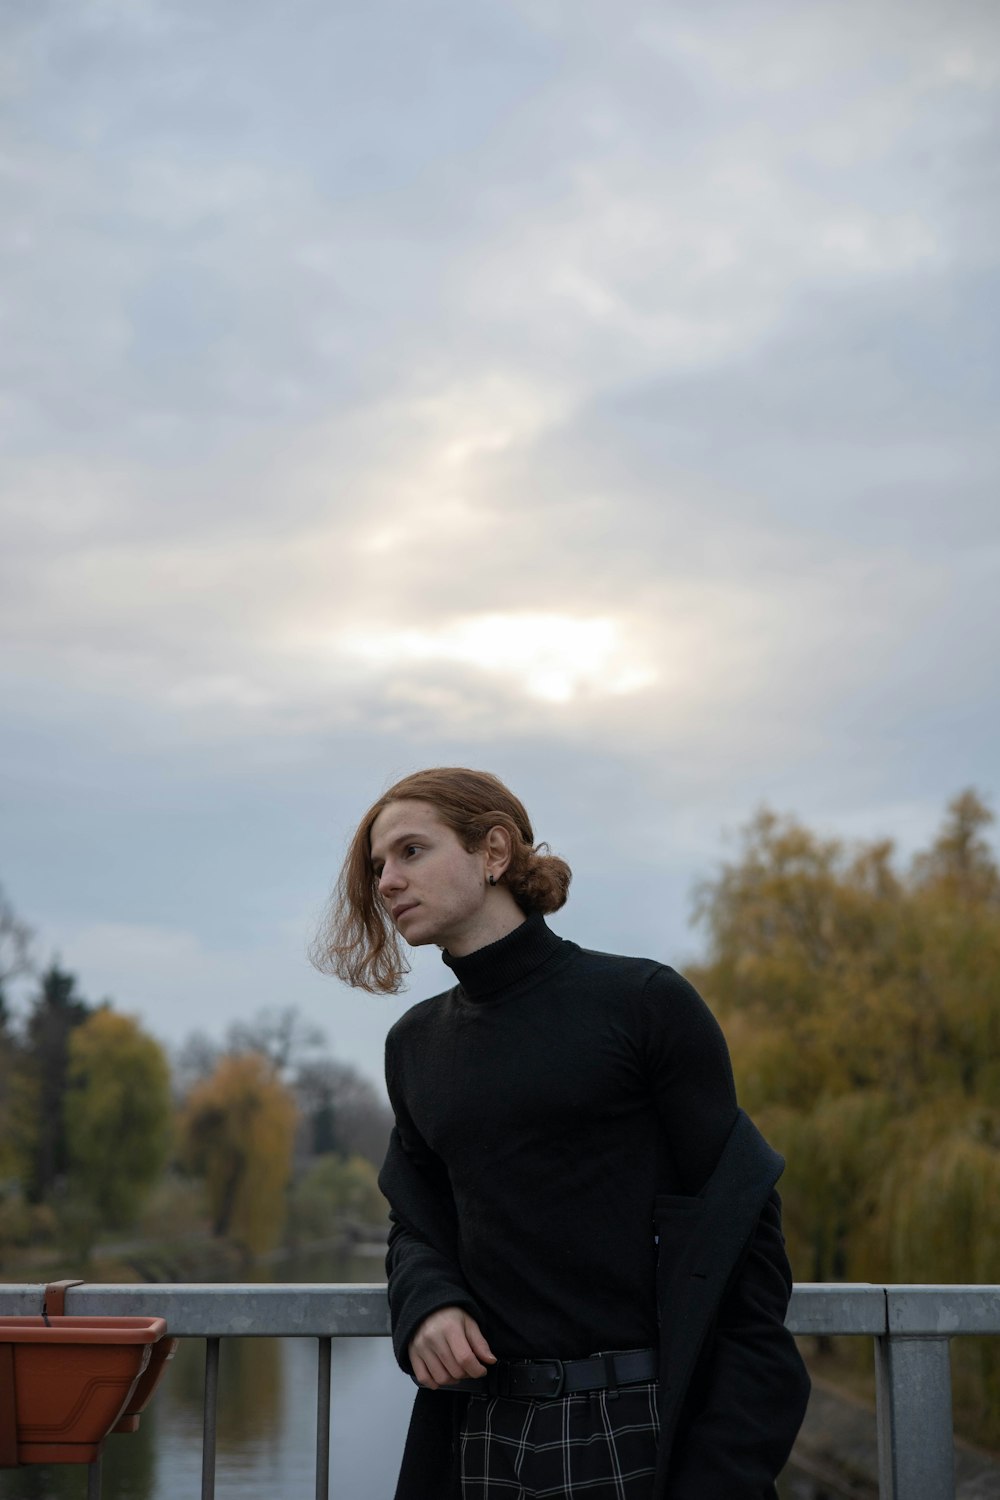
<point>56,1011</point>
<point>118,1114</point>
<point>341,1111</point>
<point>860,1003</point>
<point>15,944</point>
<point>283,1037</point>
<point>960,861</point>
<point>337,1195</point>
<point>238,1129</point>
<point>193,1061</point>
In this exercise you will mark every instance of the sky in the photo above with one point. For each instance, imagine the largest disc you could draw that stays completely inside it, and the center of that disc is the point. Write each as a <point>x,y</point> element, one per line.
<point>603,394</point>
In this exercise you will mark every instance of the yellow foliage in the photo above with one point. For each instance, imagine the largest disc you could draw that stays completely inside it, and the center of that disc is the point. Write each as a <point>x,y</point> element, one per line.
<point>238,1130</point>
<point>117,1113</point>
<point>862,1007</point>
<point>939,1211</point>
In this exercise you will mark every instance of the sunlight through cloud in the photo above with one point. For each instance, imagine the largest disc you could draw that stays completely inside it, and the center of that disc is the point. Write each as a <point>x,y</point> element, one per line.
<point>556,657</point>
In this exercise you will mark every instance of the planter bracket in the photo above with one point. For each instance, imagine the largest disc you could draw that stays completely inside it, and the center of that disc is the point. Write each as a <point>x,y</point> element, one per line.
<point>54,1298</point>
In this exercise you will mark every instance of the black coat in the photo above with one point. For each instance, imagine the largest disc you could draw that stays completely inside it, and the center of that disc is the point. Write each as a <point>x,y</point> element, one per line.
<point>733,1388</point>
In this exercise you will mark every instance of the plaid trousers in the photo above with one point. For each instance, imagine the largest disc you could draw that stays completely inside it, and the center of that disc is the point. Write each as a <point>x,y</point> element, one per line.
<point>598,1444</point>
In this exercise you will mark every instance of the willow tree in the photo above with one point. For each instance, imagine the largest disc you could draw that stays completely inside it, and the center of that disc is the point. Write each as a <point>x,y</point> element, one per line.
<point>237,1131</point>
<point>862,1006</point>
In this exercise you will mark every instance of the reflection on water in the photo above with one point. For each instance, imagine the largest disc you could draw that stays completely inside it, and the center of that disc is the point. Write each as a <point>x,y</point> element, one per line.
<point>267,1424</point>
<point>267,1429</point>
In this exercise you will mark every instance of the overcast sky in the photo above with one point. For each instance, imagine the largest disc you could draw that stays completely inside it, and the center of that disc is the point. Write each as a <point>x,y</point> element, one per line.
<point>603,393</point>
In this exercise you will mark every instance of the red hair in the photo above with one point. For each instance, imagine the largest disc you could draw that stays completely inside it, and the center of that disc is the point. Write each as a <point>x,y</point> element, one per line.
<point>357,940</point>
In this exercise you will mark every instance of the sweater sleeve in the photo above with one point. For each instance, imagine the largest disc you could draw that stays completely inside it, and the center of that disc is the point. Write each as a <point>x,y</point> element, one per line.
<point>422,1259</point>
<point>687,1062</point>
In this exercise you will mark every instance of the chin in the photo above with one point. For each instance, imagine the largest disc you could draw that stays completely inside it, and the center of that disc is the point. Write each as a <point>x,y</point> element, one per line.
<point>425,939</point>
<point>417,938</point>
<point>422,933</point>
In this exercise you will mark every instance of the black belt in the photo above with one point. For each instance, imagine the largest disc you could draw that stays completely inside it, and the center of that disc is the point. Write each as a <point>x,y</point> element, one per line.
<point>547,1378</point>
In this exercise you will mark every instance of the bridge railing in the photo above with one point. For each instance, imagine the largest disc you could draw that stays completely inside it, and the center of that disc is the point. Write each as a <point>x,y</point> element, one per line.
<point>911,1327</point>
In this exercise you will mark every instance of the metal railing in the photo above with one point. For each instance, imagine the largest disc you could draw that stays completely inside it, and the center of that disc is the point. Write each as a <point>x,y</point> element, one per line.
<point>911,1326</point>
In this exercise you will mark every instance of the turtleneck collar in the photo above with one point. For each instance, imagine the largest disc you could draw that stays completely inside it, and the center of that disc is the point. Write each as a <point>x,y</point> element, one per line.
<point>508,961</point>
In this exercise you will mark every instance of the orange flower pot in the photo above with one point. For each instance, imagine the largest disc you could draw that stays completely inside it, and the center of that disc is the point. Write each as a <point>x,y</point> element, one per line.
<point>65,1382</point>
<point>160,1355</point>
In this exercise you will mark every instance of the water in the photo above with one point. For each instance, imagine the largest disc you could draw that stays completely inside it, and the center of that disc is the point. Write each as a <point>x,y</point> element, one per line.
<point>267,1428</point>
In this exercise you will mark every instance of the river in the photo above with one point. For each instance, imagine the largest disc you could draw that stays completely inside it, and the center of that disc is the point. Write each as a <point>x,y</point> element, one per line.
<point>267,1424</point>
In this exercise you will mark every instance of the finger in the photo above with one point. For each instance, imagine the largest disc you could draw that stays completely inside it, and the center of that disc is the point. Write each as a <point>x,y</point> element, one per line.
<point>478,1344</point>
<point>464,1356</point>
<point>427,1368</point>
<point>438,1374</point>
<point>453,1354</point>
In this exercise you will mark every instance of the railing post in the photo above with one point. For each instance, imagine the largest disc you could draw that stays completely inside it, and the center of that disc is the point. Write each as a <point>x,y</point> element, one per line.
<point>323,1419</point>
<point>211,1414</point>
<point>913,1397</point>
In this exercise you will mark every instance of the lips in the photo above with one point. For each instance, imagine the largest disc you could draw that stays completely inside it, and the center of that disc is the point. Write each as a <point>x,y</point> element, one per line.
<point>401,910</point>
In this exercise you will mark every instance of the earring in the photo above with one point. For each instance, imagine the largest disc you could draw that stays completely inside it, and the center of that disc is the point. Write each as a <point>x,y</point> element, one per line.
<point>493,880</point>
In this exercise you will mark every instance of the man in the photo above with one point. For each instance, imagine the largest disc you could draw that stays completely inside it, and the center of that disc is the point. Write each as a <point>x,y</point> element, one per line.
<point>587,1276</point>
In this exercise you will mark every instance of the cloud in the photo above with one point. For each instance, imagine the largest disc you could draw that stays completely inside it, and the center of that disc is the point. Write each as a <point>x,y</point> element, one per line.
<point>551,657</point>
<point>495,566</point>
<point>604,395</point>
<point>199,239</point>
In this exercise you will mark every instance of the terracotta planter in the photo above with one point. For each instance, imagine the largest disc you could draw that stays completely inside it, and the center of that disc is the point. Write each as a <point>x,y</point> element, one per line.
<point>160,1355</point>
<point>64,1383</point>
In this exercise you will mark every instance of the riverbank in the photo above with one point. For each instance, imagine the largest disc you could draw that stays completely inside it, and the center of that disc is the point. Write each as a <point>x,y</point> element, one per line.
<point>196,1256</point>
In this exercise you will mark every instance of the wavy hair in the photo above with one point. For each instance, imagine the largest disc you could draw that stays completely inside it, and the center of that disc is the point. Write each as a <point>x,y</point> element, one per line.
<point>357,941</point>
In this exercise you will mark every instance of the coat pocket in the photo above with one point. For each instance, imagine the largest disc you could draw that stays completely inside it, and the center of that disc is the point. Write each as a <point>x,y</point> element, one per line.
<point>675,1220</point>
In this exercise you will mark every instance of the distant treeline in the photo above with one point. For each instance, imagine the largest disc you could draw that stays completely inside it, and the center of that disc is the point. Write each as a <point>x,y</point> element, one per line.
<point>107,1144</point>
<point>862,1007</point>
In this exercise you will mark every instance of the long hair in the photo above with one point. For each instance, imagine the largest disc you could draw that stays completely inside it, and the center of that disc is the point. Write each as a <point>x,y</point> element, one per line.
<point>357,940</point>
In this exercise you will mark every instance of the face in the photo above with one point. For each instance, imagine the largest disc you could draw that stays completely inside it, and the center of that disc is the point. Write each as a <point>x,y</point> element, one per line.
<point>433,888</point>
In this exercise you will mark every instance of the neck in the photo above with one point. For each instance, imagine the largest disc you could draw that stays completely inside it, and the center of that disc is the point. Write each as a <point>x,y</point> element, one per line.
<point>499,918</point>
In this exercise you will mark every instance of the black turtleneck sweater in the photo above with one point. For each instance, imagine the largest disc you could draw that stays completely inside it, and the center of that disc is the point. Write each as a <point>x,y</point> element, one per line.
<point>543,1102</point>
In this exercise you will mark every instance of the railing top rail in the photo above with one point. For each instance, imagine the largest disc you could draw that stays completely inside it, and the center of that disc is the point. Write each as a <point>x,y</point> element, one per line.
<point>848,1307</point>
<point>226,1309</point>
<point>360,1310</point>
<point>942,1311</point>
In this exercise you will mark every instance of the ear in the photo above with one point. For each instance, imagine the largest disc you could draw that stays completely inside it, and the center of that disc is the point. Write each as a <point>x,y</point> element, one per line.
<point>496,847</point>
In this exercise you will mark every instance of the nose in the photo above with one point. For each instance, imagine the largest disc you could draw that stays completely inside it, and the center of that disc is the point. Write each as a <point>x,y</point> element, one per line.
<point>390,879</point>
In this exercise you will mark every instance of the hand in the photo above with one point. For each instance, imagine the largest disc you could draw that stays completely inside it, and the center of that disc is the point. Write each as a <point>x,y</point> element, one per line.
<point>448,1346</point>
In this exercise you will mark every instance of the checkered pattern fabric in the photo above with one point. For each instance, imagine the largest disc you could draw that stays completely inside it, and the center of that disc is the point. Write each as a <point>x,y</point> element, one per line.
<point>598,1445</point>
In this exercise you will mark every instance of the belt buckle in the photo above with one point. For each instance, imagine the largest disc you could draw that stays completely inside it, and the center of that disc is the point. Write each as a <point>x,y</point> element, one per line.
<point>543,1377</point>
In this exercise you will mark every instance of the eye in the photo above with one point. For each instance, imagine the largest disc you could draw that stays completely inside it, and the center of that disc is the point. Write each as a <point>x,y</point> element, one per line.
<point>411,849</point>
